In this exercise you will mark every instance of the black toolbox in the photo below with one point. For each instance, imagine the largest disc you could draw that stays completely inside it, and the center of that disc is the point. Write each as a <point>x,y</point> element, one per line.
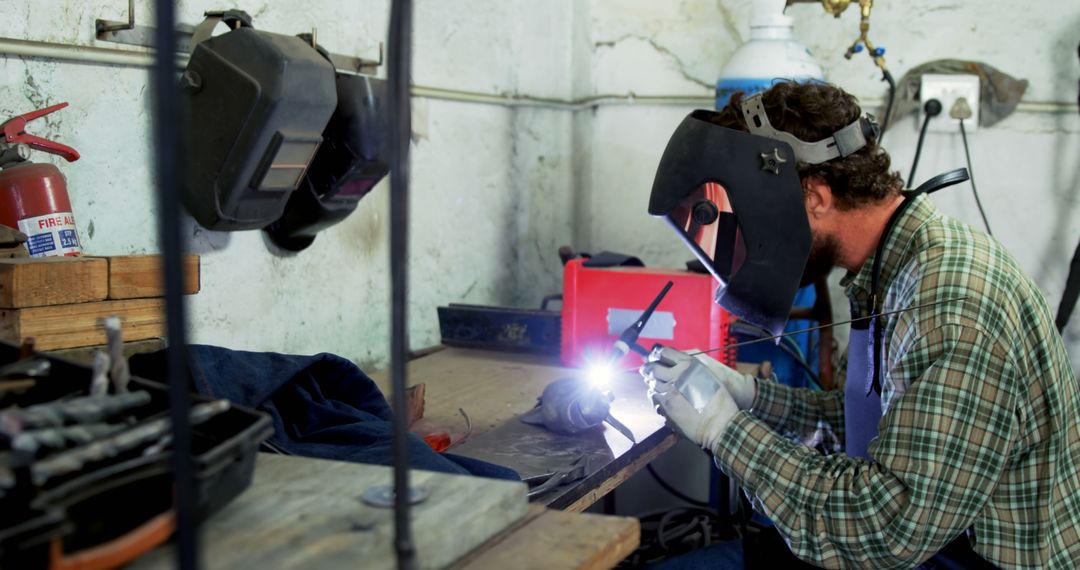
<point>113,509</point>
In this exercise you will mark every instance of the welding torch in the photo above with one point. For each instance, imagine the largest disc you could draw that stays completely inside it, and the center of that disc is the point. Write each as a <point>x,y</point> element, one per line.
<point>627,341</point>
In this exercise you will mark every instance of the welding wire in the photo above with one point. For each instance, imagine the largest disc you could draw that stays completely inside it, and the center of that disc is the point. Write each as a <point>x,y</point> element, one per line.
<point>811,329</point>
<point>170,174</point>
<point>468,428</point>
<point>817,328</point>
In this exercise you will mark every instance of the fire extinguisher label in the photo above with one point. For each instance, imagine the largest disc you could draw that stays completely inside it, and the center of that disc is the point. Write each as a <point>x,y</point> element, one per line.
<point>51,235</point>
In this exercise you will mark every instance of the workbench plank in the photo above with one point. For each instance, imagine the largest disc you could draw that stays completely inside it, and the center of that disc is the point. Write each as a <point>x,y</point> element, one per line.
<point>492,387</point>
<point>557,539</point>
<point>496,388</point>
<point>71,326</point>
<point>35,282</point>
<point>609,482</point>
<point>307,513</point>
<point>140,276</point>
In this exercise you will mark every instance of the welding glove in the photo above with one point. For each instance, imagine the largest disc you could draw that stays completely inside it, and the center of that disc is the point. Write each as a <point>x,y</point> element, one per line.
<point>687,392</point>
<point>742,387</point>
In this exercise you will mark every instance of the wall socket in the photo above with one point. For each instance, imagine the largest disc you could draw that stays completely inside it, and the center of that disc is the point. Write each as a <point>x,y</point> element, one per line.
<point>948,89</point>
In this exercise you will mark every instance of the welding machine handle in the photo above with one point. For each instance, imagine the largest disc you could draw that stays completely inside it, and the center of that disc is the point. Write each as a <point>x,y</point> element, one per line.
<point>14,130</point>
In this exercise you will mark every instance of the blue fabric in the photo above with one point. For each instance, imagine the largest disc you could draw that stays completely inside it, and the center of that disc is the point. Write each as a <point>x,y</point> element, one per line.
<point>862,404</point>
<point>322,406</point>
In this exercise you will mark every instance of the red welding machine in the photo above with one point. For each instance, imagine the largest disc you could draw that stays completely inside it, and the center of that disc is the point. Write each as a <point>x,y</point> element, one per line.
<point>33,196</point>
<point>600,302</point>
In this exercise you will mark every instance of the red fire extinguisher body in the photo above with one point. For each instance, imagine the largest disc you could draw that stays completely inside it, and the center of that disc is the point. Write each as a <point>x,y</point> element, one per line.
<point>34,199</point>
<point>33,196</point>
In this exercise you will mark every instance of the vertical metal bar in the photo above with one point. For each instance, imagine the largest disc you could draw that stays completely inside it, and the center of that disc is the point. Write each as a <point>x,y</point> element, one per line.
<point>169,153</point>
<point>399,73</point>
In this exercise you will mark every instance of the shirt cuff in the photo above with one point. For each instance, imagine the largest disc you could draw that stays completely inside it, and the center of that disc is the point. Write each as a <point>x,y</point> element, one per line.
<point>772,403</point>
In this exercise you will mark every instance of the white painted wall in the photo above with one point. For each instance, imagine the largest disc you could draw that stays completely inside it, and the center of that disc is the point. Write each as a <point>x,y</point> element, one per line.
<point>1027,167</point>
<point>497,189</point>
<point>491,185</point>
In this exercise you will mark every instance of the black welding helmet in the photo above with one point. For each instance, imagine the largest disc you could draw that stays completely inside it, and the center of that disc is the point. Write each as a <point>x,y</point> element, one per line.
<point>736,200</point>
<point>256,104</point>
<point>351,161</point>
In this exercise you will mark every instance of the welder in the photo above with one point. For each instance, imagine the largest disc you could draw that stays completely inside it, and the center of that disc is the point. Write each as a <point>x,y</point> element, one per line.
<point>955,441</point>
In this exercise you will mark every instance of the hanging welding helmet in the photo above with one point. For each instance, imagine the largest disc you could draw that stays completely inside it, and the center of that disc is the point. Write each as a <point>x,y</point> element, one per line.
<point>256,104</point>
<point>351,161</point>
<point>736,200</point>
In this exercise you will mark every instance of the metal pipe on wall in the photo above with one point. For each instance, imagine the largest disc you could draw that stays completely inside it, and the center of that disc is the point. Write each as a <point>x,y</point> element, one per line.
<point>145,58</point>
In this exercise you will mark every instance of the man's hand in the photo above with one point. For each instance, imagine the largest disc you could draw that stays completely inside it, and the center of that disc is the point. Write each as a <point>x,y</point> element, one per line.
<point>692,395</point>
<point>742,387</point>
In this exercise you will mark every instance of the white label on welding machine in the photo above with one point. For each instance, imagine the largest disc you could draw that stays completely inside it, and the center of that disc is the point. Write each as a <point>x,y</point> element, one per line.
<point>50,235</point>
<point>660,327</point>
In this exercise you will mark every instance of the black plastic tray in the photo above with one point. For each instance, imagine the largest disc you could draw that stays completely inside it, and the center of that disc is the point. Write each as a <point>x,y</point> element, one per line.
<point>110,498</point>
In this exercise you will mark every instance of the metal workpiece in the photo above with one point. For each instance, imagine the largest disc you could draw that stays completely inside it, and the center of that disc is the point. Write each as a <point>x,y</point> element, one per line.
<point>573,405</point>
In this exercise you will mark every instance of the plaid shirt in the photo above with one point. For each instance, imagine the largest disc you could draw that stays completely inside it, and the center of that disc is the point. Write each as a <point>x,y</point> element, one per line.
<point>980,427</point>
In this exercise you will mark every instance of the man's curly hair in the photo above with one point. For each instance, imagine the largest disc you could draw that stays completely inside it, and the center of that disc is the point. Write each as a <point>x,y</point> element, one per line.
<point>813,111</point>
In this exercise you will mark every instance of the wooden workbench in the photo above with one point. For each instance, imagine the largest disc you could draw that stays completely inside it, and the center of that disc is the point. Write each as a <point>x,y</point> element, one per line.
<point>308,513</point>
<point>496,388</point>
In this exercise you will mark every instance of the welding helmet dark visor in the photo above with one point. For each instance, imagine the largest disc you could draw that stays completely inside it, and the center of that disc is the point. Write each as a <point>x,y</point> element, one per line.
<point>735,199</point>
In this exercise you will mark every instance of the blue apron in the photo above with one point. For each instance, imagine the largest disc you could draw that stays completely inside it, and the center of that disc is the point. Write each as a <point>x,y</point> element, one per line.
<point>862,403</point>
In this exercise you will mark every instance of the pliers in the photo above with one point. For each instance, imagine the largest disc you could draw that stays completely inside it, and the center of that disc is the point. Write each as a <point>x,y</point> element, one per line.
<point>540,484</point>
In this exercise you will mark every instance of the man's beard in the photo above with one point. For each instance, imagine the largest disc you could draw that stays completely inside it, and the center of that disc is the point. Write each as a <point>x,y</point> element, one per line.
<point>823,254</point>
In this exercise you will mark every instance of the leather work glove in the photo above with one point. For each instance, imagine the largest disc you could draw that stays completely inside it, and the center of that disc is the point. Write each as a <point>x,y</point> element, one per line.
<point>691,395</point>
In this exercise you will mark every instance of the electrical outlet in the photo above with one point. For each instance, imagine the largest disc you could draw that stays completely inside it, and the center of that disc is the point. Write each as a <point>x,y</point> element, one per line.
<point>948,89</point>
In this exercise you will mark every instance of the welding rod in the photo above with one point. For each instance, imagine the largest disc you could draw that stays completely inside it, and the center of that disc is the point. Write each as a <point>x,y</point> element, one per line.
<point>817,328</point>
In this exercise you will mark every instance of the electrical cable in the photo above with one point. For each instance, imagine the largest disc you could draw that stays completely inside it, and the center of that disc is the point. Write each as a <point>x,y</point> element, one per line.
<point>675,492</point>
<point>668,533</point>
<point>785,345</point>
<point>971,173</point>
<point>1072,281</point>
<point>398,78</point>
<point>932,108</point>
<point>169,150</point>
<point>887,77</point>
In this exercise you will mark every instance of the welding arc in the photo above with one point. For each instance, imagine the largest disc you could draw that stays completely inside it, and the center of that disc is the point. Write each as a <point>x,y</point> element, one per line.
<point>811,329</point>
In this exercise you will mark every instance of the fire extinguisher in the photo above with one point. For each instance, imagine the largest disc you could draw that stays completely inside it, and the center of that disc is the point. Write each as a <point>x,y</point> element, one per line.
<point>33,195</point>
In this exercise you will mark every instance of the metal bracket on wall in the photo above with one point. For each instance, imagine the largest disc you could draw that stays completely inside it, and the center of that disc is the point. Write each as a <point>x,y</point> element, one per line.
<point>130,33</point>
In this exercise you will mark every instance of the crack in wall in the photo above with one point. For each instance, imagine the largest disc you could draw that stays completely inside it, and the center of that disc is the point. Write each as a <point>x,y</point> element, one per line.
<point>680,65</point>
<point>729,22</point>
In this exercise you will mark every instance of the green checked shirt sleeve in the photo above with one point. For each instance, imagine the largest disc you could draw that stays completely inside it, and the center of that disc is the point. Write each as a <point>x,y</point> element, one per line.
<point>979,430</point>
<point>812,417</point>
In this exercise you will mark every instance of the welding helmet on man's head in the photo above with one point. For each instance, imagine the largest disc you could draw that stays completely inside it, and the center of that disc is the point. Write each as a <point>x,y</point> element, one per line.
<point>736,200</point>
